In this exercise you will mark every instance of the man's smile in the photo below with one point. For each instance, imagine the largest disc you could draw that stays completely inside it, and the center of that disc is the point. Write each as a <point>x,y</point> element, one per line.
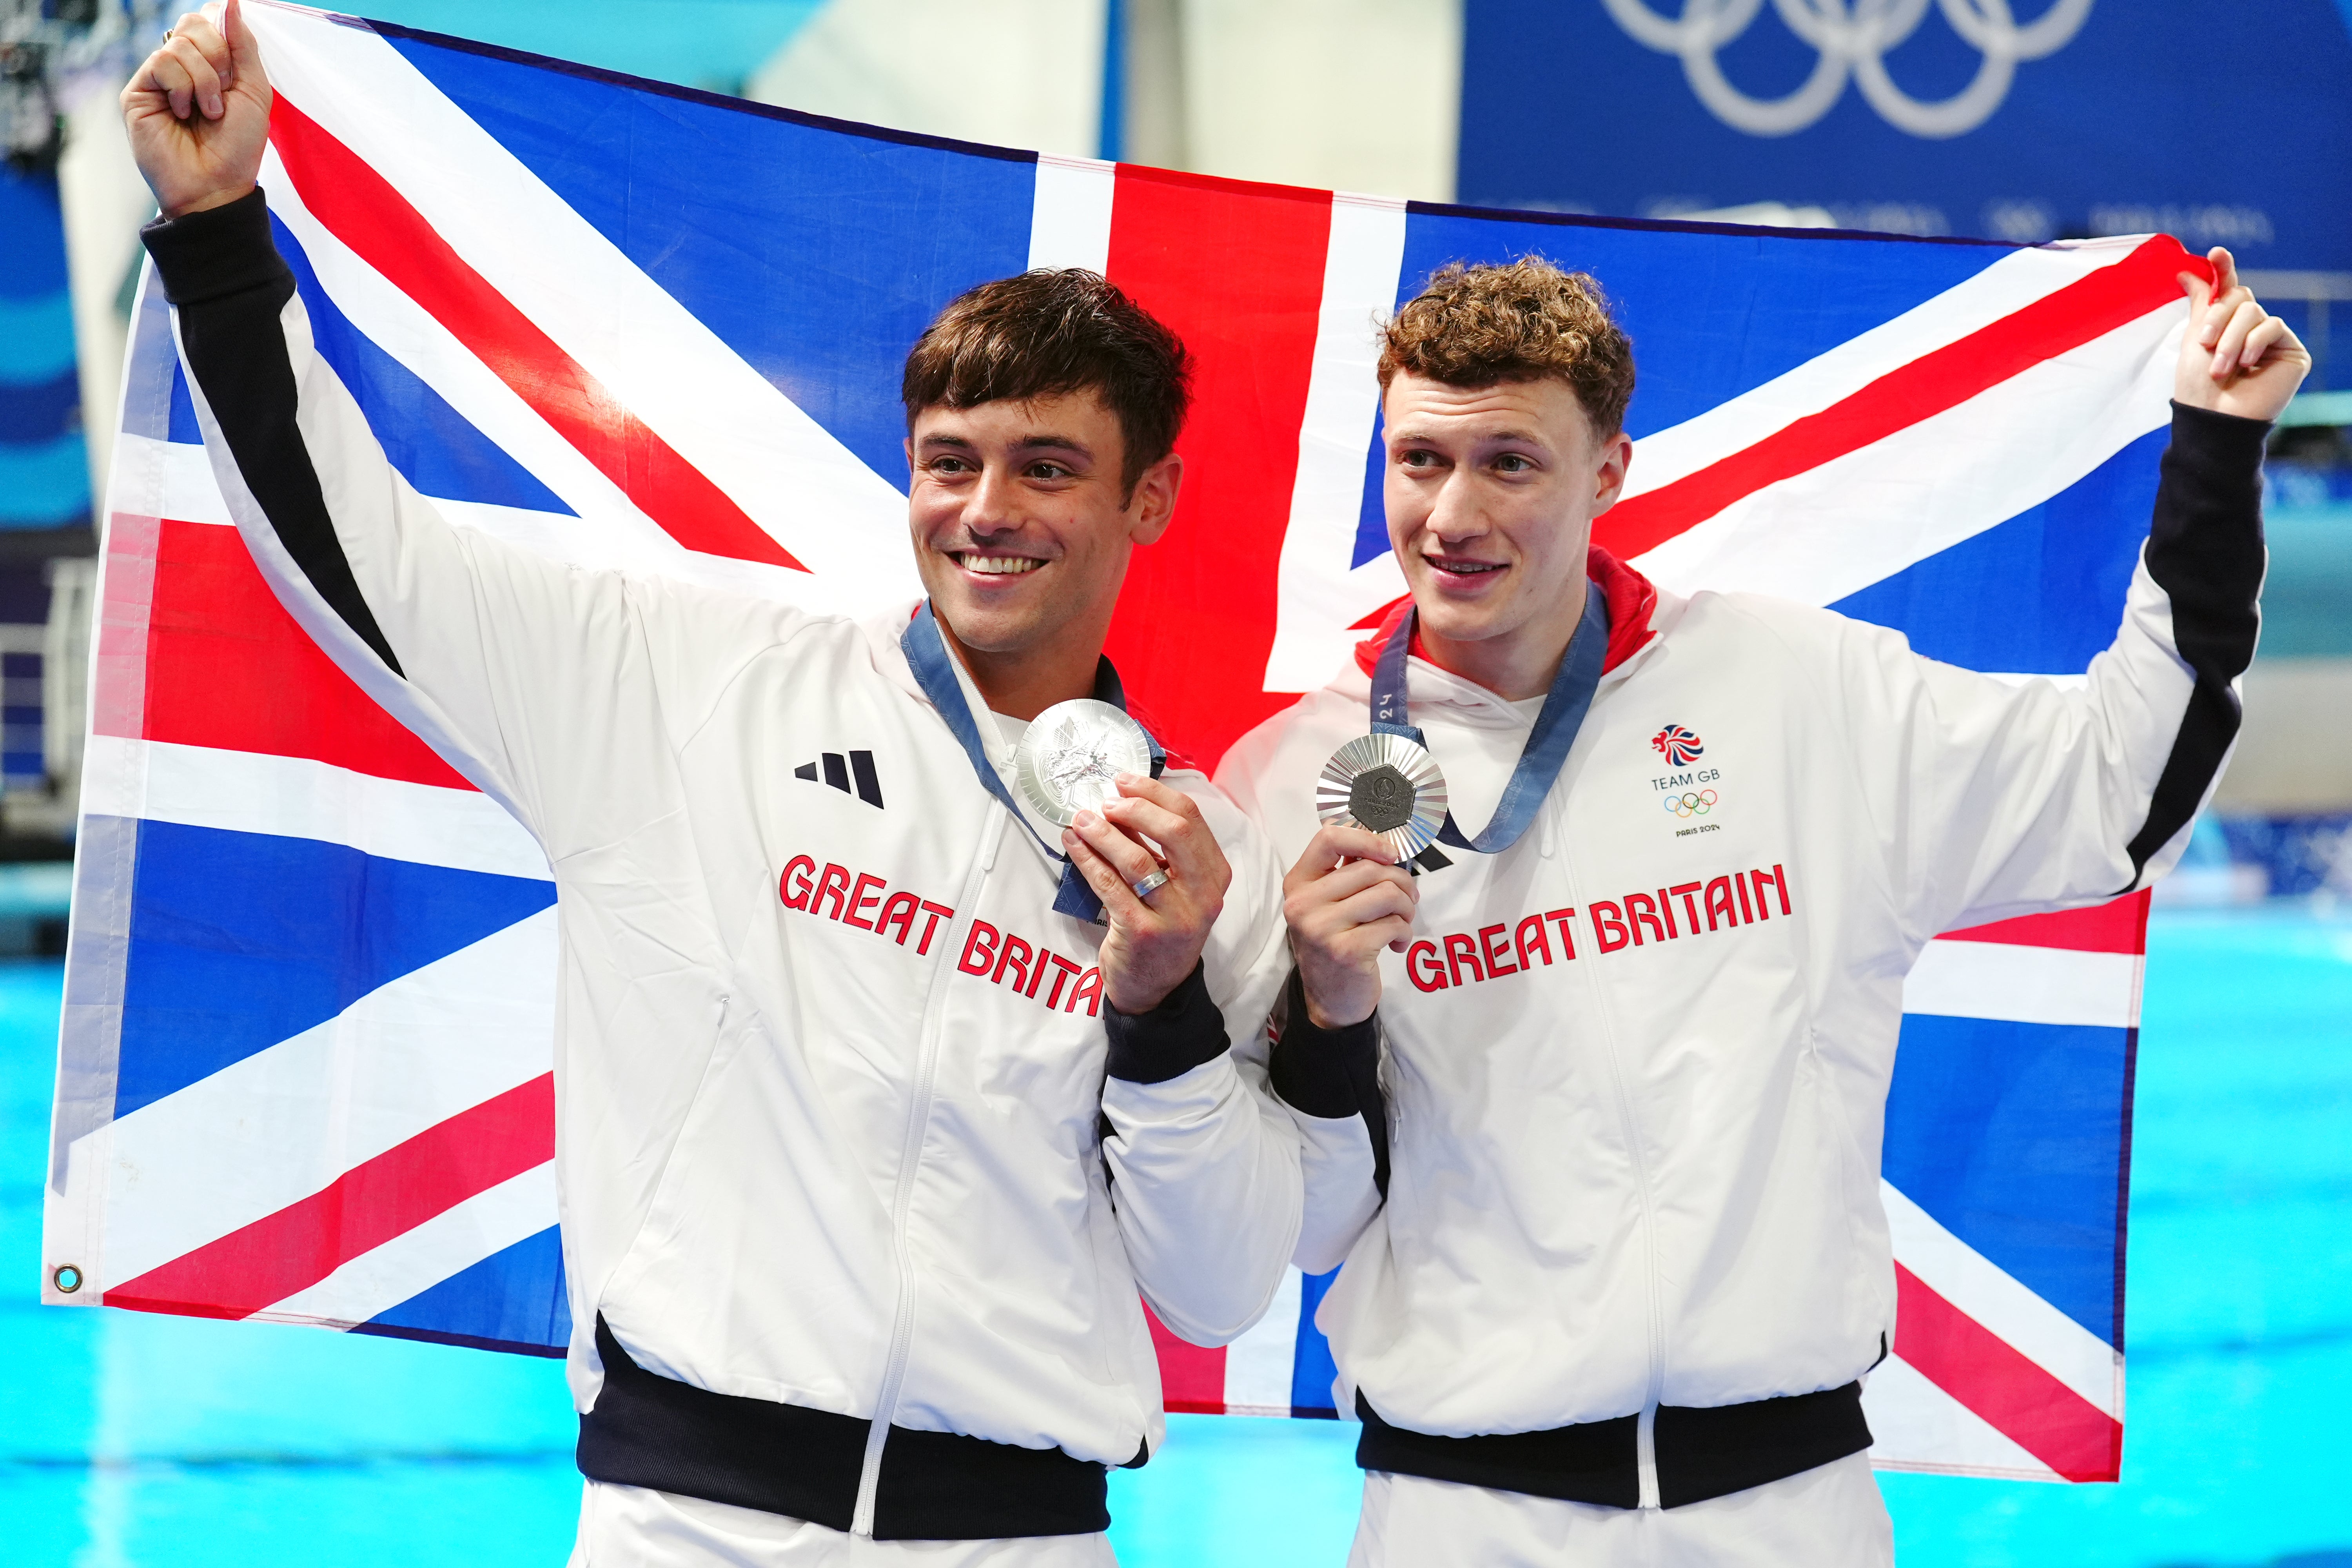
<point>993,566</point>
<point>1454,571</point>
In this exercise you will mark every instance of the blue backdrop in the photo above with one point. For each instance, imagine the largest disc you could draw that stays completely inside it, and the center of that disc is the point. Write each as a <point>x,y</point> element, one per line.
<point>44,475</point>
<point>2225,123</point>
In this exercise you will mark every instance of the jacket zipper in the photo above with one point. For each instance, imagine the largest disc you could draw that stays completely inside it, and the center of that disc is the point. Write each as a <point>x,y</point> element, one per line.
<point>1645,1442</point>
<point>919,1118</point>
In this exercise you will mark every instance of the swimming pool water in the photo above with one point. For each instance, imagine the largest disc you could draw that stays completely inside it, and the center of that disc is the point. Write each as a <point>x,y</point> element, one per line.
<point>130,1440</point>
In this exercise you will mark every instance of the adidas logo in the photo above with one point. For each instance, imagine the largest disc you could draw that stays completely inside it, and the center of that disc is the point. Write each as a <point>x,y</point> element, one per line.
<point>838,771</point>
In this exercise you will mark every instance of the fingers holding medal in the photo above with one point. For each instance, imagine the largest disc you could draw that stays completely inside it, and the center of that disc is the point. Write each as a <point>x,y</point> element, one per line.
<point>1150,857</point>
<point>1141,844</point>
<point>1382,800</point>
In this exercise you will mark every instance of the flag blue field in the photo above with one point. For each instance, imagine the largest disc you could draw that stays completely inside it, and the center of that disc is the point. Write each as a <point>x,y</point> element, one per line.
<point>305,1066</point>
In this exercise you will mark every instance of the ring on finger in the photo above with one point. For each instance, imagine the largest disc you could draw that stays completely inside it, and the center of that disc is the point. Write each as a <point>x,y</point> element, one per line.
<point>1150,884</point>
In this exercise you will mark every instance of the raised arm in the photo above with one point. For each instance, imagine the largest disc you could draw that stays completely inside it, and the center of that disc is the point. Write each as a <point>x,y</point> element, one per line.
<point>2006,799</point>
<point>508,662</point>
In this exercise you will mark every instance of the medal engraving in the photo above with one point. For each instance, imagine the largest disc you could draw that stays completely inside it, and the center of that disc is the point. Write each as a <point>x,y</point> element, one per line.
<point>1070,757</point>
<point>1380,799</point>
<point>1384,784</point>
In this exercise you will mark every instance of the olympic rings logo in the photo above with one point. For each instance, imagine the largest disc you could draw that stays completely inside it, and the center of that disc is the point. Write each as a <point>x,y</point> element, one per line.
<point>1852,37</point>
<point>1691,804</point>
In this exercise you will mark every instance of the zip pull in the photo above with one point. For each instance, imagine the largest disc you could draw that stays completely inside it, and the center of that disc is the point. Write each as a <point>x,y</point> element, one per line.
<point>995,841</point>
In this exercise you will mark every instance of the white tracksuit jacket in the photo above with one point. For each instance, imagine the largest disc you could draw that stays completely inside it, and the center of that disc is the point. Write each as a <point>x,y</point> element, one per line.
<point>832,1123</point>
<point>1635,1066</point>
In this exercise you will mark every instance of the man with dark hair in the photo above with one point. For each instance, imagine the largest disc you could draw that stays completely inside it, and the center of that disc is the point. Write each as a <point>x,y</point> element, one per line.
<point>1047,331</point>
<point>868,1132</point>
<point>1592,1109</point>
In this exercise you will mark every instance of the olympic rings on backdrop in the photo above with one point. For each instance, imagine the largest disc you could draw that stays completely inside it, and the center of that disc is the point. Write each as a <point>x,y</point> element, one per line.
<point>1691,804</point>
<point>1852,39</point>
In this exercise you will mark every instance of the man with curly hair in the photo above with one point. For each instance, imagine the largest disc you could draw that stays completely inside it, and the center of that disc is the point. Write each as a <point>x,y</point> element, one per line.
<point>1593,1104</point>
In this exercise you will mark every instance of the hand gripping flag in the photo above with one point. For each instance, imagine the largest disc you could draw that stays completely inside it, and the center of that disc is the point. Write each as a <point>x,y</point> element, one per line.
<point>304,1072</point>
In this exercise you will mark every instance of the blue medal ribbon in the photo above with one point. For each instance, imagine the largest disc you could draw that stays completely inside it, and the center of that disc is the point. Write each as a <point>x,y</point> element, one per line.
<point>926,656</point>
<point>1565,706</point>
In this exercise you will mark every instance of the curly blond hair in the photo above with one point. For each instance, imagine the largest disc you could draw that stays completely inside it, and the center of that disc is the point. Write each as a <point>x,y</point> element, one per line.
<point>1523,321</point>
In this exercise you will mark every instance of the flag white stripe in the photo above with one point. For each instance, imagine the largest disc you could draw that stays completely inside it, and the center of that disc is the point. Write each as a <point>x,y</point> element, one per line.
<point>1320,596</point>
<point>1915,1426</point>
<point>1972,1282</point>
<point>240,1144</point>
<point>165,479</point>
<point>1860,519</point>
<point>294,797</point>
<point>409,1263</point>
<point>673,373</point>
<point>1258,1365</point>
<point>609,531</point>
<point>1069,215</point>
<point>2081,682</point>
<point>2008,286</point>
<point>2025,985</point>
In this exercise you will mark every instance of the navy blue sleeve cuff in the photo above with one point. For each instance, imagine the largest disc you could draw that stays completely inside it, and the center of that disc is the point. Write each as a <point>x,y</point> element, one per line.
<point>1183,1032</point>
<point>220,251</point>
<point>2205,551</point>
<point>2212,474</point>
<point>1319,1072</point>
<point>2205,540</point>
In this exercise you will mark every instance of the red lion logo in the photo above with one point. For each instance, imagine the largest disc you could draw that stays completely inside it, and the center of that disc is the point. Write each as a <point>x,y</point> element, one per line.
<point>1679,746</point>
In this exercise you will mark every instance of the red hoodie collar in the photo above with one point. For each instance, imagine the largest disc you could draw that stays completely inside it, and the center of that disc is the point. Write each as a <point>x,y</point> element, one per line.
<point>1632,599</point>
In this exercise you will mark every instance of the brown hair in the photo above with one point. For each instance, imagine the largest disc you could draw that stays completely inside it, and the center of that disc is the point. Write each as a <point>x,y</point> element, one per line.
<point>1526,320</point>
<point>1053,330</point>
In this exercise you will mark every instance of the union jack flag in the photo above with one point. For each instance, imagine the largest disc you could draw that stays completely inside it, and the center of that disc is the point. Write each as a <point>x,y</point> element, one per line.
<point>304,1073</point>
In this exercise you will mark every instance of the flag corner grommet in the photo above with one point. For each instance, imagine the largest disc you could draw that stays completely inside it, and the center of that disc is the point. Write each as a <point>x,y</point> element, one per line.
<point>65,1277</point>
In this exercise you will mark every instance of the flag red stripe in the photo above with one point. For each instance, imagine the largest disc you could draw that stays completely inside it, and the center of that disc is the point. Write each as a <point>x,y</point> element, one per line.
<point>1191,1377</point>
<point>227,666</point>
<point>2010,1392</point>
<point>361,208</point>
<point>2145,281</point>
<point>367,1205</point>
<point>1237,271</point>
<point>2120,926</point>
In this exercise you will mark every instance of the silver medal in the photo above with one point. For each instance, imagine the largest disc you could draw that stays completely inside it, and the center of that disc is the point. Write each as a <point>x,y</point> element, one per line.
<point>1070,757</point>
<point>1384,784</point>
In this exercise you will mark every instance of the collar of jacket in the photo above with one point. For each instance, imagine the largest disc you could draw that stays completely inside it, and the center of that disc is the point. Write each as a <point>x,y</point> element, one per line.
<point>883,630</point>
<point>1634,622</point>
